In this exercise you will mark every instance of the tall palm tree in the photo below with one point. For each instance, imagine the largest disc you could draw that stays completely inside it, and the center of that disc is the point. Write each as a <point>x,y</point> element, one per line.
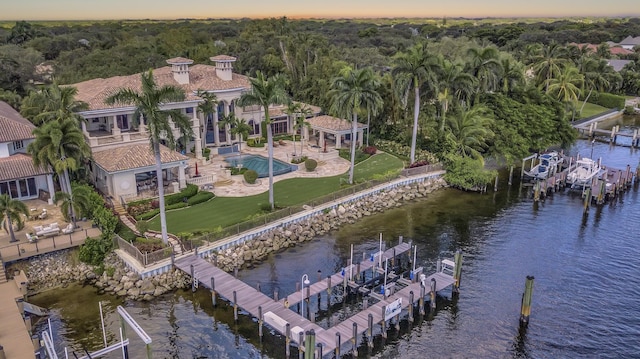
<point>240,128</point>
<point>414,68</point>
<point>595,77</point>
<point>52,103</point>
<point>354,92</point>
<point>566,85</point>
<point>470,131</point>
<point>297,115</point>
<point>11,210</point>
<point>207,107</point>
<point>484,65</point>
<point>79,199</point>
<point>512,75</point>
<point>148,102</point>
<point>265,92</point>
<point>61,145</point>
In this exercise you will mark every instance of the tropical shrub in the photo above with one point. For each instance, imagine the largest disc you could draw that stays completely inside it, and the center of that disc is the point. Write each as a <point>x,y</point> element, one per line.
<point>94,250</point>
<point>607,100</point>
<point>297,160</point>
<point>148,244</point>
<point>250,176</point>
<point>200,198</point>
<point>148,215</point>
<point>403,151</point>
<point>467,173</point>
<point>370,150</point>
<point>176,205</point>
<point>255,142</point>
<point>206,153</point>
<point>310,164</point>
<point>142,226</point>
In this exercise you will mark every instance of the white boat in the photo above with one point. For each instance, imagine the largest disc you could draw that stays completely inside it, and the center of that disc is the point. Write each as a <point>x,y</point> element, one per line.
<point>583,173</point>
<point>547,167</point>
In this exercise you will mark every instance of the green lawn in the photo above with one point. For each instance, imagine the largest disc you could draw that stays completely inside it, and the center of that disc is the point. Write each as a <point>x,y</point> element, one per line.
<point>225,211</point>
<point>590,109</point>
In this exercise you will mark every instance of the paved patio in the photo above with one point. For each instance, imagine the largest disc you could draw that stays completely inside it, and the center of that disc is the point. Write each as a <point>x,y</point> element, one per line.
<point>35,207</point>
<point>225,185</point>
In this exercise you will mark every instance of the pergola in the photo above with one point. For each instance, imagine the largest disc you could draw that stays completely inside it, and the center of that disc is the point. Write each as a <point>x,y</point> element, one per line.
<point>337,127</point>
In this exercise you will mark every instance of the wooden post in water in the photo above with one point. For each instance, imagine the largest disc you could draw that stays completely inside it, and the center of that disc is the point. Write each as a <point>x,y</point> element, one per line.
<point>495,184</point>
<point>235,307</point>
<point>411,302</point>
<point>328,290</point>
<point>287,340</point>
<point>338,344</point>
<point>525,309</point>
<point>587,200</point>
<point>354,340</point>
<point>457,272</point>
<point>260,321</point>
<point>511,175</point>
<point>421,300</point>
<point>383,323</point>
<point>310,344</point>
<point>370,330</point>
<point>193,280</point>
<point>213,291</point>
<point>432,295</point>
<point>301,347</point>
<point>275,295</point>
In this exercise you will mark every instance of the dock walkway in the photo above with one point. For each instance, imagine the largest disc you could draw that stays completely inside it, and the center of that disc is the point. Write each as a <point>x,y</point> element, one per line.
<point>276,313</point>
<point>14,336</point>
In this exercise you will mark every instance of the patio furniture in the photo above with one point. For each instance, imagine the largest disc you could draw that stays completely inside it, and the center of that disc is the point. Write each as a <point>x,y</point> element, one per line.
<point>32,238</point>
<point>48,230</point>
<point>43,215</point>
<point>68,229</point>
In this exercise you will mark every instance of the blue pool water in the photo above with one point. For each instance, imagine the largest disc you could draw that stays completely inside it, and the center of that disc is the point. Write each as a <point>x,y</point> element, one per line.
<point>259,164</point>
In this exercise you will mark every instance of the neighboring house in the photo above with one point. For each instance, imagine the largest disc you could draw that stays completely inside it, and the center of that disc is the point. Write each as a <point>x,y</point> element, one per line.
<point>618,65</point>
<point>614,49</point>
<point>18,176</point>
<point>110,127</point>
<point>630,43</point>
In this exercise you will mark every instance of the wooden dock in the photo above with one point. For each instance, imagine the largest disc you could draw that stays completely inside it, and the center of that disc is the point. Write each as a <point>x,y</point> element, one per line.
<point>277,313</point>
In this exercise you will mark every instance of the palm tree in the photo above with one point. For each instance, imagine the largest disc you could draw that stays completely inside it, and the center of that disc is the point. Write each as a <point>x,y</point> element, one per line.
<point>240,128</point>
<point>594,77</point>
<point>226,122</point>
<point>470,131</point>
<point>414,68</point>
<point>354,92</point>
<point>60,145</point>
<point>265,92</point>
<point>148,102</point>
<point>79,199</point>
<point>512,75</point>
<point>566,85</point>
<point>11,210</point>
<point>549,63</point>
<point>298,112</point>
<point>52,103</point>
<point>484,65</point>
<point>207,107</point>
<point>452,81</point>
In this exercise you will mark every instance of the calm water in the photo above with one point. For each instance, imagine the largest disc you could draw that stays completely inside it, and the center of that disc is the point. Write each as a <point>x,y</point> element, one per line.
<point>586,293</point>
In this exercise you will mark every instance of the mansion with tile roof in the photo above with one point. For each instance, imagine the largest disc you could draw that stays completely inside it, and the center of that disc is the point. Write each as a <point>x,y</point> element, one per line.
<point>123,165</point>
<point>19,178</point>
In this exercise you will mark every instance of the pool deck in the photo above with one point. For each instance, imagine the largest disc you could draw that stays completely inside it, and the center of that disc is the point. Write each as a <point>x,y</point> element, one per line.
<point>329,164</point>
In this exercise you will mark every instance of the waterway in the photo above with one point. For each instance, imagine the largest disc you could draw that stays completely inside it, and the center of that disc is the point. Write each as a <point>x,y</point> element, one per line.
<point>585,301</point>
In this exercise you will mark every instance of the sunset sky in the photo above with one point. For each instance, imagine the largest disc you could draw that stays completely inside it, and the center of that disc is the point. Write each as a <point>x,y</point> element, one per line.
<point>166,9</point>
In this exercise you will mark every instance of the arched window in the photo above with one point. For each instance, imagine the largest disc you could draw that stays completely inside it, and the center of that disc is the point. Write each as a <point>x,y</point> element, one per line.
<point>255,128</point>
<point>220,110</point>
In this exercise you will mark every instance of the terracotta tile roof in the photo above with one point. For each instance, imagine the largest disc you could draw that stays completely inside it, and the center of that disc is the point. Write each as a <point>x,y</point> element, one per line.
<point>203,77</point>
<point>332,124</point>
<point>614,50</point>
<point>19,166</point>
<point>135,156</point>
<point>223,58</point>
<point>13,127</point>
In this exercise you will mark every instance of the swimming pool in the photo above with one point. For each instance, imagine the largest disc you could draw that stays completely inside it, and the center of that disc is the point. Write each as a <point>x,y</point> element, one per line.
<point>259,164</point>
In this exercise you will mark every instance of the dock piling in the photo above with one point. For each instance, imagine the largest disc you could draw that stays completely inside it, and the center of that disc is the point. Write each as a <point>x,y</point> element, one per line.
<point>432,295</point>
<point>370,330</point>
<point>421,301</point>
<point>525,310</point>
<point>338,344</point>
<point>301,345</point>
<point>411,302</point>
<point>354,340</point>
<point>383,323</point>
<point>213,291</point>
<point>511,175</point>
<point>260,321</point>
<point>287,340</point>
<point>457,272</point>
<point>310,344</point>
<point>235,307</point>
<point>193,280</point>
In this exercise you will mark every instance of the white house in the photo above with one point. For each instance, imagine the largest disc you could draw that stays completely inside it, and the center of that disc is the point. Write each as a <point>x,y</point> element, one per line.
<point>630,42</point>
<point>18,176</point>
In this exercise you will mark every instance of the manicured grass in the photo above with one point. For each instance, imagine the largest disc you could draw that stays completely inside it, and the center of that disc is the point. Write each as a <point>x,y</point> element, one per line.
<point>590,109</point>
<point>226,211</point>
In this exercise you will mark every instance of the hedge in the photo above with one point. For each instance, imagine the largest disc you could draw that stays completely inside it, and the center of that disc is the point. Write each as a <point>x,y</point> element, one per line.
<point>250,176</point>
<point>607,100</point>
<point>200,197</point>
<point>148,215</point>
<point>310,164</point>
<point>176,205</point>
<point>187,192</point>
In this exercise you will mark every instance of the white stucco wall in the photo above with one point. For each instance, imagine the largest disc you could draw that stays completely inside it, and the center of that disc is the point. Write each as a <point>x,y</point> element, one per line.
<point>4,149</point>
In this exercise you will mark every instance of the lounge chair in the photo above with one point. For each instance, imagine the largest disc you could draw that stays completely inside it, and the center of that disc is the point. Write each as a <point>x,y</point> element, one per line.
<point>68,229</point>
<point>48,230</point>
<point>32,238</point>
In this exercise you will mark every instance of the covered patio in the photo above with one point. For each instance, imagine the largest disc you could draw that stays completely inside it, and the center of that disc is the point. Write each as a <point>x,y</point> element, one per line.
<point>332,129</point>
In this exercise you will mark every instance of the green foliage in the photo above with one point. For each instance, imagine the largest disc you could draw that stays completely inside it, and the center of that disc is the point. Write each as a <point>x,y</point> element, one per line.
<point>125,232</point>
<point>237,171</point>
<point>250,176</point>
<point>256,142</point>
<point>148,244</point>
<point>310,164</point>
<point>106,221</point>
<point>467,173</point>
<point>298,159</point>
<point>176,205</point>
<point>403,151</point>
<point>206,153</point>
<point>607,100</point>
<point>186,192</point>
<point>94,250</point>
<point>148,215</point>
<point>629,110</point>
<point>200,197</point>
<point>142,226</point>
<point>110,271</point>
<point>346,154</point>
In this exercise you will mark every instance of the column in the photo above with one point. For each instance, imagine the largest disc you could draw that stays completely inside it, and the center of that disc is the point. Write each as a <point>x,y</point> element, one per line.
<point>321,137</point>
<point>84,128</point>
<point>181,177</point>
<point>197,130</point>
<point>338,141</point>
<point>115,130</point>
<point>50,188</point>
